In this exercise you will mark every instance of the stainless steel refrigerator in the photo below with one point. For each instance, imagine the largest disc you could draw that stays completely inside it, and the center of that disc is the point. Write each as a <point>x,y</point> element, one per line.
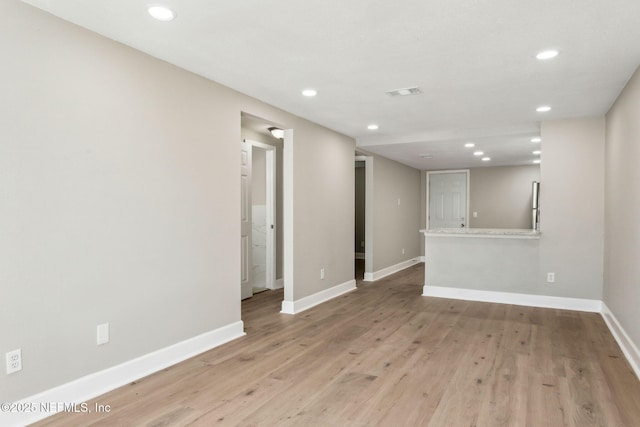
<point>535,206</point>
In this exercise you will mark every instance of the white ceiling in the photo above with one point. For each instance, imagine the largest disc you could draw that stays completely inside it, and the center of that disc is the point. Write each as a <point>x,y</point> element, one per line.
<point>473,59</point>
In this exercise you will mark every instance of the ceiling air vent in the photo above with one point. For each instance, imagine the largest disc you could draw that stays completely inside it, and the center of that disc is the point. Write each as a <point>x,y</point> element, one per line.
<point>404,92</point>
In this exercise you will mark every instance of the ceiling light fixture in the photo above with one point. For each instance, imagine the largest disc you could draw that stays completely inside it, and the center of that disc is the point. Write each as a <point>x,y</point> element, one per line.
<point>373,126</point>
<point>537,152</point>
<point>161,13</point>
<point>469,145</point>
<point>536,161</point>
<point>486,159</point>
<point>404,91</point>
<point>547,54</point>
<point>543,109</point>
<point>536,139</point>
<point>478,153</point>
<point>276,132</point>
<point>309,93</point>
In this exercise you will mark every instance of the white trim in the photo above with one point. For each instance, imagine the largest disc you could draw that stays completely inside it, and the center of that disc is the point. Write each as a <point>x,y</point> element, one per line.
<point>466,171</point>
<point>98,383</point>
<point>294,307</point>
<point>279,284</point>
<point>627,346</point>
<point>421,258</point>
<point>360,255</point>
<point>271,217</point>
<point>287,213</point>
<point>476,235</point>
<point>544,301</point>
<point>376,275</point>
<point>369,214</point>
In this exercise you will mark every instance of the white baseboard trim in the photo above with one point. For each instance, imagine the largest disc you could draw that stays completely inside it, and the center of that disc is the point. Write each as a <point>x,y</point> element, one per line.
<point>377,275</point>
<point>98,383</point>
<point>544,301</point>
<point>279,284</point>
<point>421,258</point>
<point>295,307</point>
<point>360,255</point>
<point>627,346</point>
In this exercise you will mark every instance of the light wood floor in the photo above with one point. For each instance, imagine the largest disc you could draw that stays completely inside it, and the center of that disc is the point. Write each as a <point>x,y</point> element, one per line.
<point>384,355</point>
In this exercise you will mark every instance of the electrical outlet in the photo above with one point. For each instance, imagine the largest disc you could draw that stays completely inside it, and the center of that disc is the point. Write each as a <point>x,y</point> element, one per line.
<point>475,214</point>
<point>402,251</point>
<point>322,273</point>
<point>14,361</point>
<point>551,277</point>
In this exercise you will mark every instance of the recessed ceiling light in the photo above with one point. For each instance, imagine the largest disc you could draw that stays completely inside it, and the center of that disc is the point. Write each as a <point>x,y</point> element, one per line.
<point>536,161</point>
<point>536,139</point>
<point>478,153</point>
<point>537,152</point>
<point>547,54</point>
<point>486,159</point>
<point>309,92</point>
<point>543,109</point>
<point>469,145</point>
<point>373,126</point>
<point>426,156</point>
<point>161,13</point>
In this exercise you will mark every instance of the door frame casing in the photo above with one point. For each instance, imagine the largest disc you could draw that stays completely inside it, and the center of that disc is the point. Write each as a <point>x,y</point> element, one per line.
<point>465,171</point>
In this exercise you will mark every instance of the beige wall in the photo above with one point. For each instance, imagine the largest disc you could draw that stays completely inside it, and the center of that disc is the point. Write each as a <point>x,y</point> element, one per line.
<point>622,233</point>
<point>394,226</point>
<point>501,196</point>
<point>121,203</point>
<point>572,207</point>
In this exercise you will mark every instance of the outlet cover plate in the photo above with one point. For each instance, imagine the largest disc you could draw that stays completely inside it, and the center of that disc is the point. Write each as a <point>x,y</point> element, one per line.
<point>14,361</point>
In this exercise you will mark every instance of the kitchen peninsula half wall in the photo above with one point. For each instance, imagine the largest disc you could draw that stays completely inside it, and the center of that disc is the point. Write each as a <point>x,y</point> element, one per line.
<point>492,265</point>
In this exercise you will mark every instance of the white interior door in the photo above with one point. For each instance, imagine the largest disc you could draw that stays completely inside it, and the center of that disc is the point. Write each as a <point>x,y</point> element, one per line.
<point>447,200</point>
<point>246,289</point>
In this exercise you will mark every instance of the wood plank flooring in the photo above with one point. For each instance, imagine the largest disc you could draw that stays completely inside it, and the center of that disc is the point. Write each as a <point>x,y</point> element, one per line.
<point>384,355</point>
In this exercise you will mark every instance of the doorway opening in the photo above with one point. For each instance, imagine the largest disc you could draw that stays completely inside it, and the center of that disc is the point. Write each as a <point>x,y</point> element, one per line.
<point>262,207</point>
<point>263,216</point>
<point>360,217</point>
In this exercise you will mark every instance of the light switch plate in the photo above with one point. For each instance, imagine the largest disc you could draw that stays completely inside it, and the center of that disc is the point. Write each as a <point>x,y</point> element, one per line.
<point>102,334</point>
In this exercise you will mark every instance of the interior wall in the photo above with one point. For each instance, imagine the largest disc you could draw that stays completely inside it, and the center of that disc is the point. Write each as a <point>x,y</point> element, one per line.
<point>121,201</point>
<point>360,198</point>
<point>395,225</point>
<point>501,196</point>
<point>622,233</point>
<point>572,207</point>
<point>324,184</point>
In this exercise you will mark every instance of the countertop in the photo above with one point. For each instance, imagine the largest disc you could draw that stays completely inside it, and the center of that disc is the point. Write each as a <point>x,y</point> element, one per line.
<point>508,233</point>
